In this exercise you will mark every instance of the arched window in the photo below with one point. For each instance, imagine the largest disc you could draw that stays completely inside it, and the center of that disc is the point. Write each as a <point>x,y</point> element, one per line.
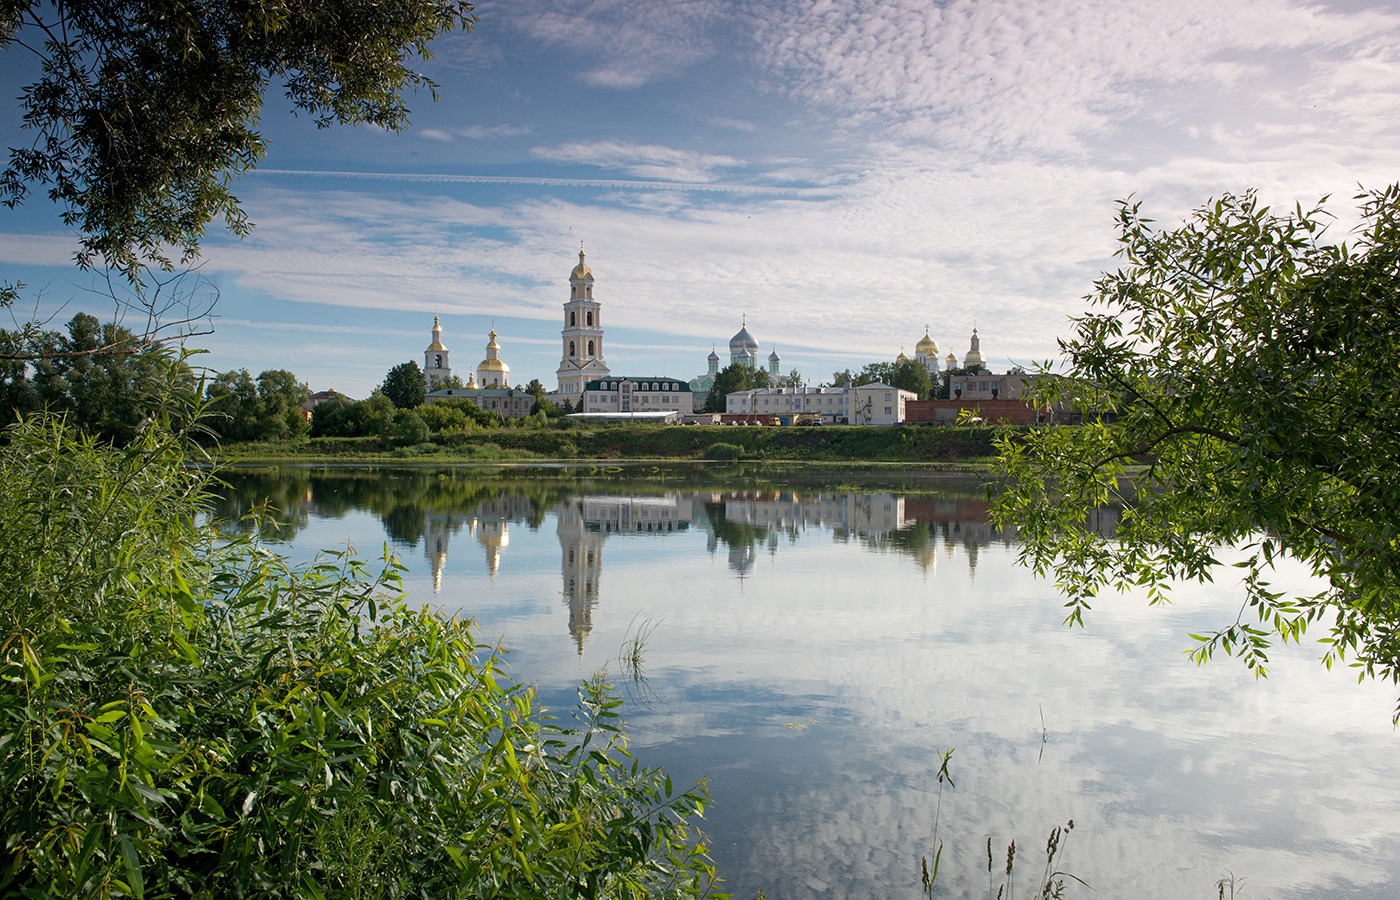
<point>573,318</point>
<point>590,348</point>
<point>589,316</point>
<point>437,361</point>
<point>571,348</point>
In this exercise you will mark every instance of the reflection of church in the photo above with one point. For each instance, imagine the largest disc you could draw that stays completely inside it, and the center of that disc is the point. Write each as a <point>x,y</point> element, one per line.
<point>489,523</point>
<point>585,523</point>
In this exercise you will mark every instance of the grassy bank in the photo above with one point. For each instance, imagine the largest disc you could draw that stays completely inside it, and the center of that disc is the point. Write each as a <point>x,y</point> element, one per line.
<point>926,444</point>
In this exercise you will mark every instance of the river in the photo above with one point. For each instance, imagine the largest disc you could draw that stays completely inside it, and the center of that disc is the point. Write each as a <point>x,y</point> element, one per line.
<point>814,644</point>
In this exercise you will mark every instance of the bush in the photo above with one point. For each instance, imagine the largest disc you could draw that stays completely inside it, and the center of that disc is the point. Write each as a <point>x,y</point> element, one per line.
<point>723,450</point>
<point>185,716</point>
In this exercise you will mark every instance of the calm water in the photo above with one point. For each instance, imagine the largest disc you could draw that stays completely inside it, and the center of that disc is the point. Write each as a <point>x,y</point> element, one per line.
<point>816,647</point>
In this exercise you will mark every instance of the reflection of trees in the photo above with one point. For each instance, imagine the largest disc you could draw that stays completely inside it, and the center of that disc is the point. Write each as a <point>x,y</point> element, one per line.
<point>280,500</point>
<point>740,538</point>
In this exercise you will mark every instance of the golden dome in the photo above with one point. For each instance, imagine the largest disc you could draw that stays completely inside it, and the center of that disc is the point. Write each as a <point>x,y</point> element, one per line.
<point>581,270</point>
<point>492,365</point>
<point>926,345</point>
<point>437,337</point>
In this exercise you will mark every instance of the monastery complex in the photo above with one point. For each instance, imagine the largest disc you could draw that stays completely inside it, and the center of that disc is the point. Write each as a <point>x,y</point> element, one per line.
<point>585,383</point>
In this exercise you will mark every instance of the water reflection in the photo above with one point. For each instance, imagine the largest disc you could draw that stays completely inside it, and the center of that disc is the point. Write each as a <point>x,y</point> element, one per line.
<point>817,648</point>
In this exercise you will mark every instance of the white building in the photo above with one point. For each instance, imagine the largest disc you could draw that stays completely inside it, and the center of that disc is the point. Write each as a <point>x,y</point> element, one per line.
<point>636,395</point>
<point>582,336</point>
<point>830,403</point>
<point>866,404</point>
<point>878,404</point>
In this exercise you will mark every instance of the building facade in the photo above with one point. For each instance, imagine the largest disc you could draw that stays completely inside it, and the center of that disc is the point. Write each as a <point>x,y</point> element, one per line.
<point>866,404</point>
<point>637,395</point>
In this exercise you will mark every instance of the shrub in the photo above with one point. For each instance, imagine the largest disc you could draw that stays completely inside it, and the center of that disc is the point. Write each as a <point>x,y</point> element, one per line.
<point>722,450</point>
<point>185,716</point>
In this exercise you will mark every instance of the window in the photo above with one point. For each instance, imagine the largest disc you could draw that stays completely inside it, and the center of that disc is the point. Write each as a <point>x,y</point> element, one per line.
<point>590,348</point>
<point>571,348</point>
<point>590,318</point>
<point>573,318</point>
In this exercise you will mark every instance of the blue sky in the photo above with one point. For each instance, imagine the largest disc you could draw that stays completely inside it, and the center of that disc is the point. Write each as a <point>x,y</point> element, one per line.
<point>840,174</point>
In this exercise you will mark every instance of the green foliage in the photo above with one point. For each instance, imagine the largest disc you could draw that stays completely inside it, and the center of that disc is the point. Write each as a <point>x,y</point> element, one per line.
<point>1244,367</point>
<point>405,385</point>
<point>145,111</point>
<point>102,377</point>
<point>909,375</point>
<point>405,428</point>
<point>268,409</point>
<point>732,378</point>
<point>186,715</point>
<point>723,450</point>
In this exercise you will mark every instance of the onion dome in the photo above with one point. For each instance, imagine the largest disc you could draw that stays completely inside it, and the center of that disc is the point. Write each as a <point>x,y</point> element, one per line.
<point>581,270</point>
<point>926,346</point>
<point>492,362</point>
<point>901,357</point>
<point>773,357</point>
<point>437,336</point>
<point>743,341</point>
<point>974,359</point>
<point>713,357</point>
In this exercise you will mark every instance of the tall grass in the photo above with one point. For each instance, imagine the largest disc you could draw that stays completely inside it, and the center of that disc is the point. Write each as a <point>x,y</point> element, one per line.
<point>188,715</point>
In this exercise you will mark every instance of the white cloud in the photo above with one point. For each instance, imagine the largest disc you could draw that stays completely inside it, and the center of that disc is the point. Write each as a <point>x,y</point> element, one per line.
<point>640,160</point>
<point>626,44</point>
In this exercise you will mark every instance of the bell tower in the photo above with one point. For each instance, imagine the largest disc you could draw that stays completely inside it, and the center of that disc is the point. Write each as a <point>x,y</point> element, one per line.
<point>582,359</point>
<point>436,371</point>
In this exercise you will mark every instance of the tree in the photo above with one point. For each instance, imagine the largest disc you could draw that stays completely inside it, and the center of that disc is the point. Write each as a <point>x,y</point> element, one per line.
<point>909,375</point>
<point>870,373</point>
<point>280,399</point>
<point>145,111</point>
<point>405,385</point>
<point>732,378</point>
<point>104,391</point>
<point>1248,366</point>
<point>233,400</point>
<point>405,429</point>
<point>268,409</point>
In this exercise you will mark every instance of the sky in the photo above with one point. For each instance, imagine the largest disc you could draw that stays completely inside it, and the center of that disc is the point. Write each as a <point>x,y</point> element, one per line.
<point>837,175</point>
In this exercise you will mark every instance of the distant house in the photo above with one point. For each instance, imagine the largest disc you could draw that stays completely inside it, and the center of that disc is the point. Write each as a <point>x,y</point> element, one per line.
<point>320,397</point>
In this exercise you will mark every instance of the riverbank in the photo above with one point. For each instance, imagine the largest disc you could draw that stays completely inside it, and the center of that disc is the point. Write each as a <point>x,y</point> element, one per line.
<point>955,446</point>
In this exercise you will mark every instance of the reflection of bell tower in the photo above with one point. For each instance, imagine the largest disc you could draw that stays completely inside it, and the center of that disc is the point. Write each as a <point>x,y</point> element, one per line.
<point>438,529</point>
<point>582,568</point>
<point>435,534</point>
<point>494,535</point>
